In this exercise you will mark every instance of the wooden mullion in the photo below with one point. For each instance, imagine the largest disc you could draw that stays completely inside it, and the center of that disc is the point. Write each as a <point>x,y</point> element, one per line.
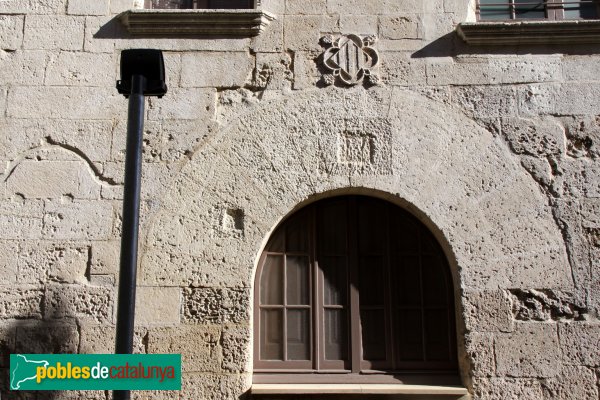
<point>354,306</point>
<point>387,299</point>
<point>422,294</point>
<point>285,344</point>
<point>318,337</point>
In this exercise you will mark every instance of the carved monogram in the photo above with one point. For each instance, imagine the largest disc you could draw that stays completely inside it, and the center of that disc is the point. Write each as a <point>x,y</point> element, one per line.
<point>351,59</point>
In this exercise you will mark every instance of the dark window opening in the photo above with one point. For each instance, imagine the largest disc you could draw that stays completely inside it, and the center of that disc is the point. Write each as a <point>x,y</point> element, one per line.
<point>199,4</point>
<point>497,10</point>
<point>354,285</point>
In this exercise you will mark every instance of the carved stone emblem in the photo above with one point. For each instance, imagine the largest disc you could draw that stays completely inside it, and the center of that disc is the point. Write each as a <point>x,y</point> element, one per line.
<point>350,59</point>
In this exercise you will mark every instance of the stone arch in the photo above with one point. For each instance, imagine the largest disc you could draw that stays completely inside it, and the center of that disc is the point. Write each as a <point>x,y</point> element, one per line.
<point>276,155</point>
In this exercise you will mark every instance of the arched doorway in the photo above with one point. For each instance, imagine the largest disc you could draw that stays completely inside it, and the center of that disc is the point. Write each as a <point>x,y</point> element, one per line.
<point>354,286</point>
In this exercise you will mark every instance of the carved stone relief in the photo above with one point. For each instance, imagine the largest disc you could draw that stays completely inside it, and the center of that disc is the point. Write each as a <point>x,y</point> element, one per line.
<point>350,59</point>
<point>357,146</point>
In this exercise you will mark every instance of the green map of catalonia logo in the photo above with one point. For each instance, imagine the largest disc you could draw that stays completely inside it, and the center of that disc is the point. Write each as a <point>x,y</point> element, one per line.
<point>24,369</point>
<point>95,372</point>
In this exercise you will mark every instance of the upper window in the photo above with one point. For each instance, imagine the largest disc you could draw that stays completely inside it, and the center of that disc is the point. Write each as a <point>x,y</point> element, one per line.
<point>199,4</point>
<point>354,285</point>
<point>494,10</point>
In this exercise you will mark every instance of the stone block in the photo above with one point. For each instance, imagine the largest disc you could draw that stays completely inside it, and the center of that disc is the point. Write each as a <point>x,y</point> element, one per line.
<point>579,343</point>
<point>199,345</point>
<point>75,103</point>
<point>479,348</point>
<point>583,136</point>
<point>79,394</point>
<point>83,302</point>
<point>53,179</point>
<point>8,262</point>
<point>276,7</point>
<point>591,182</point>
<point>580,68</point>
<point>359,24</point>
<point>83,140</point>
<point>590,213</point>
<point>273,71</point>
<point>11,32</point>
<point>85,7</point>
<point>237,351</point>
<point>54,32</point>
<point>81,69</point>
<point>374,7</point>
<point>184,103</point>
<point>303,32</point>
<point>118,6</point>
<point>179,269</point>
<point>126,41</point>
<point>217,306</point>
<point>100,339</point>
<point>487,311</point>
<point>532,350</point>
<point>216,69</point>
<point>99,34</point>
<point>407,26</point>
<point>318,7</point>
<point>475,70</point>
<point>22,67</point>
<point>84,220</point>
<point>46,337</point>
<point>486,101</point>
<point>439,25</point>
<point>574,383</point>
<point>32,6</point>
<point>157,305</point>
<point>402,70</point>
<point>539,137</point>
<point>539,168</point>
<point>547,305</point>
<point>215,386</point>
<point>577,98</point>
<point>21,302</point>
<point>172,69</point>
<point>399,45</point>
<point>456,6</point>
<point>181,137</point>
<point>508,389</point>
<point>54,261</point>
<point>537,99</point>
<point>306,73</point>
<point>151,147</point>
<point>105,258</point>
<point>271,40</point>
<point>21,219</point>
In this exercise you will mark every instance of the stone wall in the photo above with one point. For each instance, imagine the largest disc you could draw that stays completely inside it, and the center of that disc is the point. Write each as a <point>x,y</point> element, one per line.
<point>496,149</point>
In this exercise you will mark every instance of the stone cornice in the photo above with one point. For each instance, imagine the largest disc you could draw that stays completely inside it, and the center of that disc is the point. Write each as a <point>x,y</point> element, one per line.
<point>196,22</point>
<point>530,32</point>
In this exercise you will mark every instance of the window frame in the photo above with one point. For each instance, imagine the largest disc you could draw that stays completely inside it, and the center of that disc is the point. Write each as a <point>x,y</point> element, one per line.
<point>355,366</point>
<point>193,5</point>
<point>554,11</point>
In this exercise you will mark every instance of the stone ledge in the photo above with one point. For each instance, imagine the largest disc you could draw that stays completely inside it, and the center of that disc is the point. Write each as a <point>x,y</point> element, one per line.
<point>530,32</point>
<point>282,389</point>
<point>196,22</point>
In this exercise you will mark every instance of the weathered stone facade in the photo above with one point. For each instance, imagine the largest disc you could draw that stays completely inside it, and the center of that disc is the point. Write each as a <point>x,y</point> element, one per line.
<point>495,149</point>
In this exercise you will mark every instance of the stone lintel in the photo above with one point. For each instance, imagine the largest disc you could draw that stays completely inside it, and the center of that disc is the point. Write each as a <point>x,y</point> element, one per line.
<point>530,32</point>
<point>196,22</point>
